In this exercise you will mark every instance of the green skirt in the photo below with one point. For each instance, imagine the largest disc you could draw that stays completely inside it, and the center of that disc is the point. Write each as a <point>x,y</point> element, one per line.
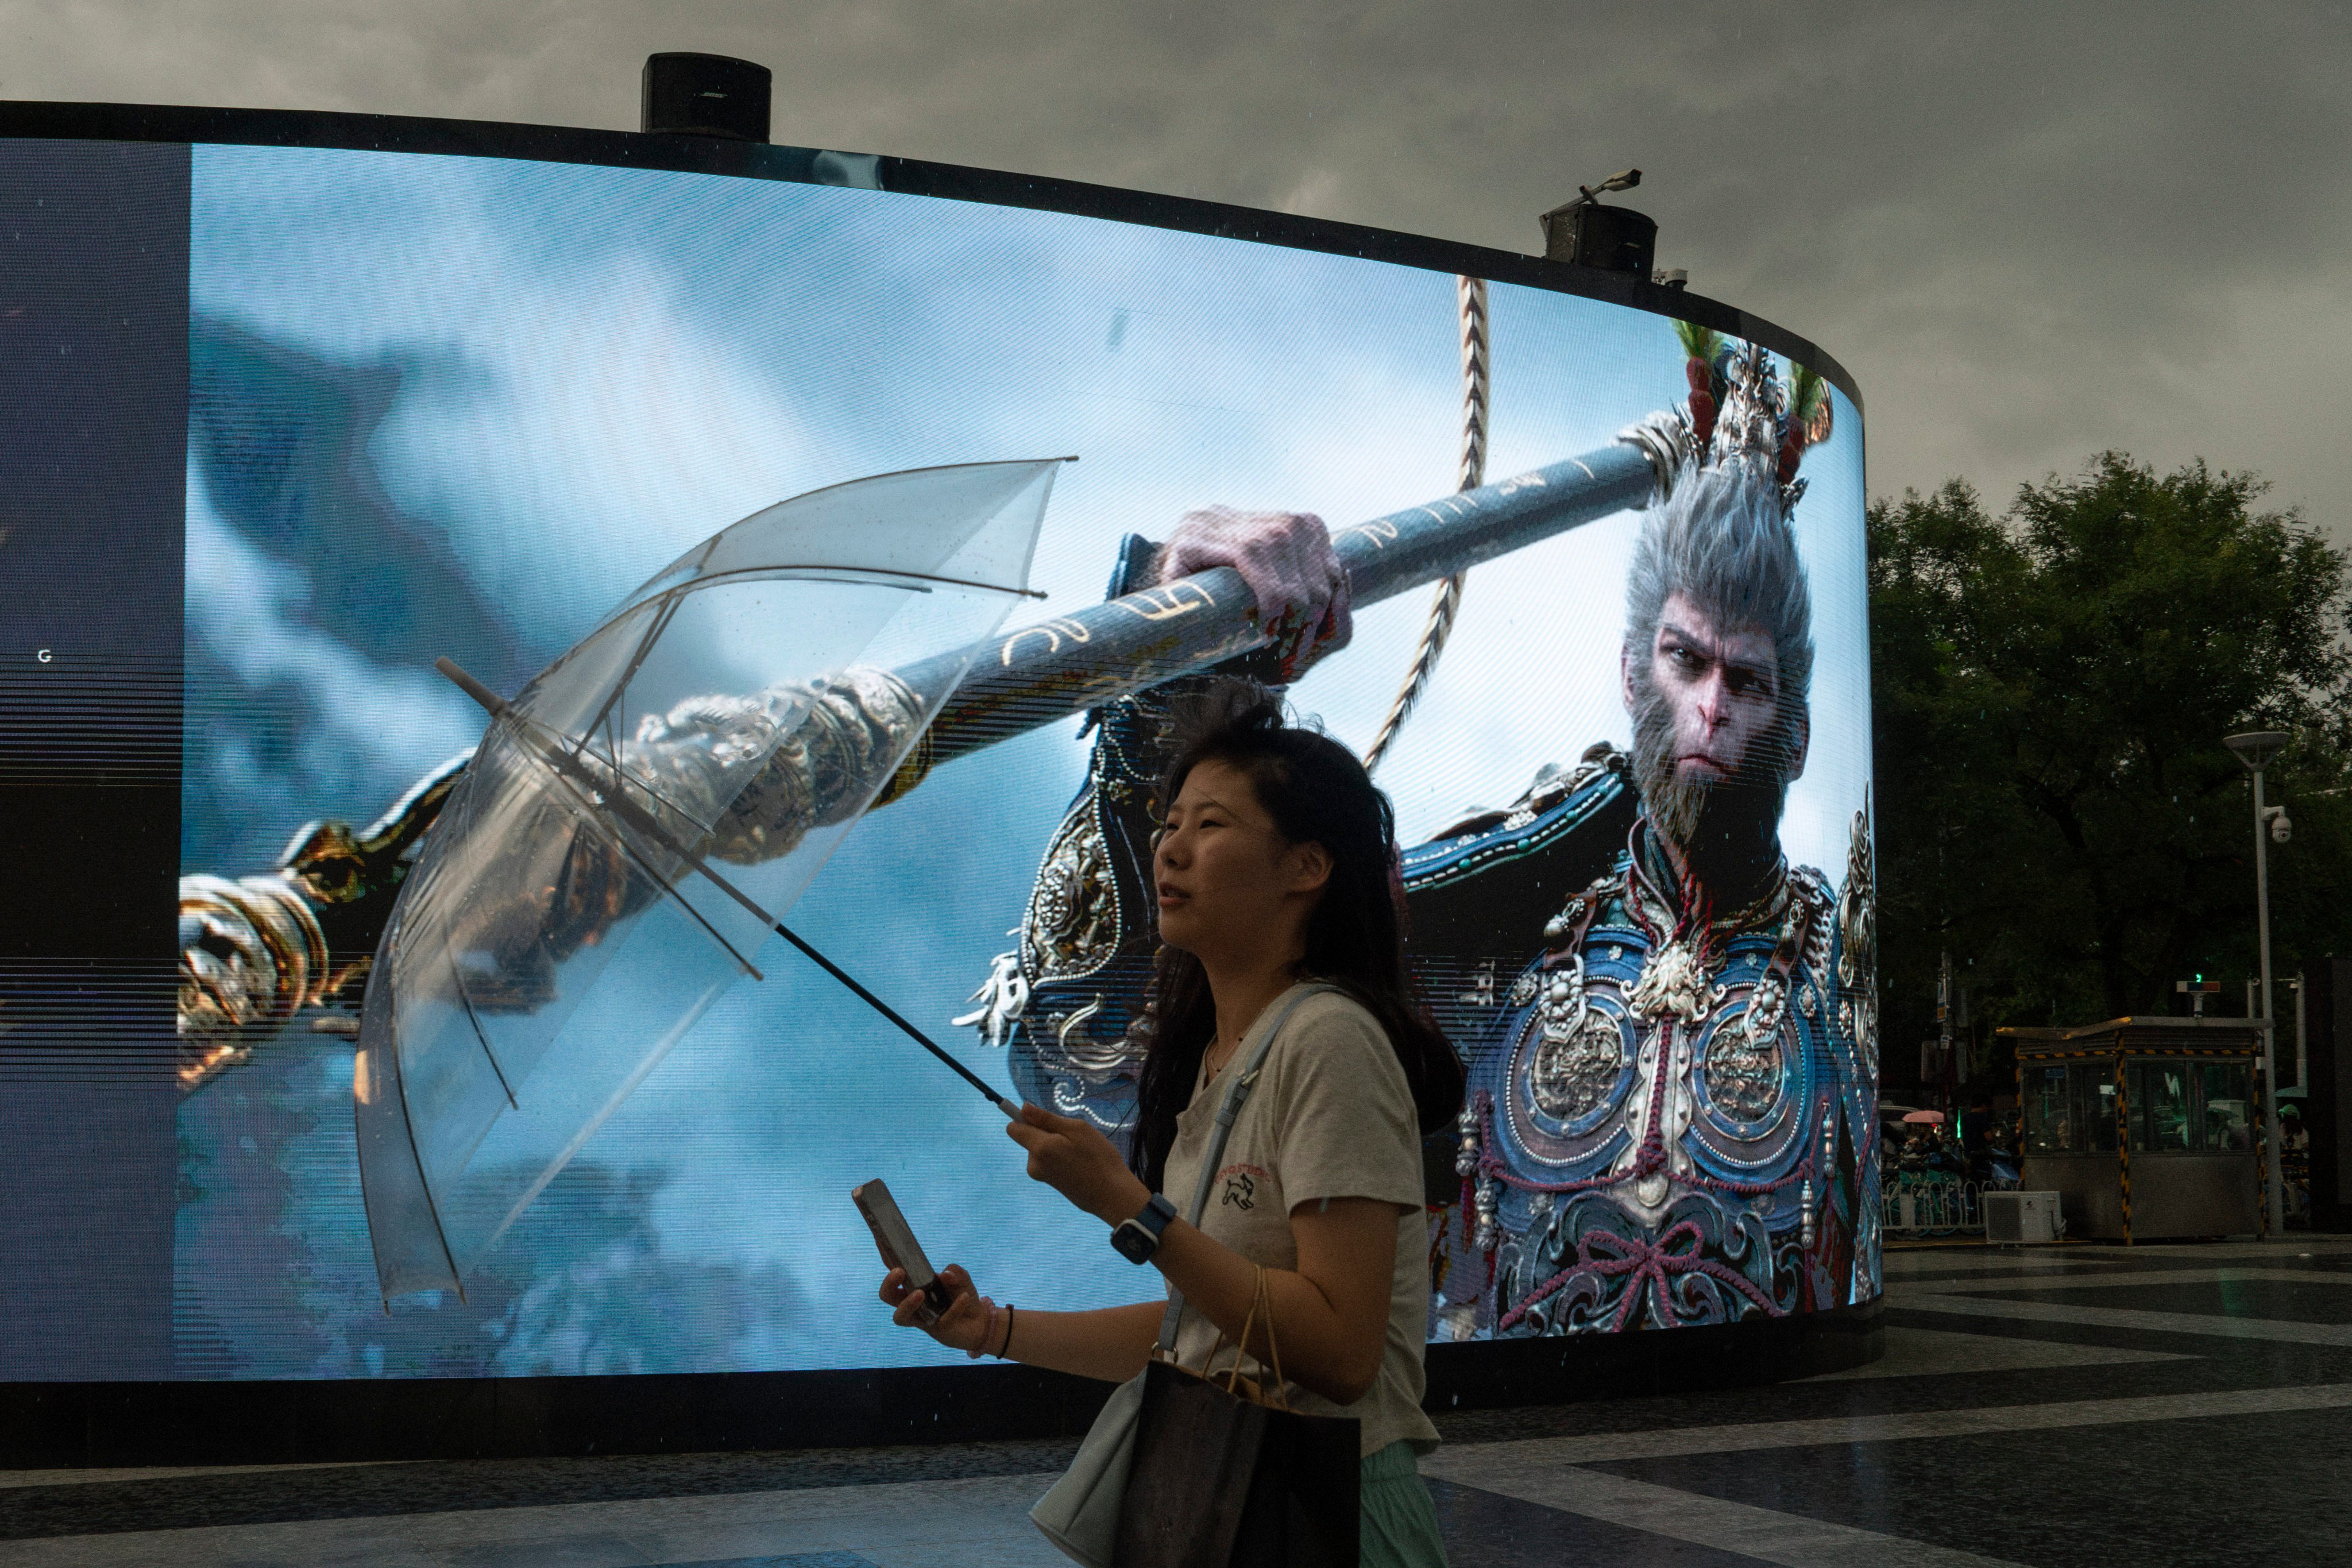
<point>1400,1529</point>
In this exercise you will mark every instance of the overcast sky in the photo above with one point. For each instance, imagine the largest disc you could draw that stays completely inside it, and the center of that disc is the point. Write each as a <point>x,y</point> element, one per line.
<point>2031,231</point>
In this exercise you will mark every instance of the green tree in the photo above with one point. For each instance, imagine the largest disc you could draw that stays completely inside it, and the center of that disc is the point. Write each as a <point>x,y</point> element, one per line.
<point>2055,805</point>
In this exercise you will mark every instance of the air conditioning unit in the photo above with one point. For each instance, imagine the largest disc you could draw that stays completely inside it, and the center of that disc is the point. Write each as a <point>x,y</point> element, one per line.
<point>2022,1216</point>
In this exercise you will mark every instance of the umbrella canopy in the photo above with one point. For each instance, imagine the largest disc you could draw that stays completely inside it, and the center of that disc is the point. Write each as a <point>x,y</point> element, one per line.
<point>1925,1117</point>
<point>634,822</point>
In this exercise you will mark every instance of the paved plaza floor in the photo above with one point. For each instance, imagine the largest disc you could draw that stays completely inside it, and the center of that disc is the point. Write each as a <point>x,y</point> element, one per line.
<point>2057,1408</point>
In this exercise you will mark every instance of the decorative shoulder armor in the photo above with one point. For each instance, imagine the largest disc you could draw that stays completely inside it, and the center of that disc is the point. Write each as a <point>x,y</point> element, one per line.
<point>1480,888</point>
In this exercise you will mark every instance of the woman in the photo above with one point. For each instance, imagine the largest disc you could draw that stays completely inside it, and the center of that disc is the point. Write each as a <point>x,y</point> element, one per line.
<point>1275,866</point>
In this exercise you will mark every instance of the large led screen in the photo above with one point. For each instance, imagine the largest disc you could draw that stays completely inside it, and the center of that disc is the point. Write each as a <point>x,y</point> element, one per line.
<point>458,406</point>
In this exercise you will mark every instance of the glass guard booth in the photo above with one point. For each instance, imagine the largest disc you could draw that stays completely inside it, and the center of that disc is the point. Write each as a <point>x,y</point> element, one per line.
<point>2147,1128</point>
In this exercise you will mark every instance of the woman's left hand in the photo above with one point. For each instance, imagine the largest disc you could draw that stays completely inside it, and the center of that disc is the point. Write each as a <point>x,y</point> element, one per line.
<point>1068,1156</point>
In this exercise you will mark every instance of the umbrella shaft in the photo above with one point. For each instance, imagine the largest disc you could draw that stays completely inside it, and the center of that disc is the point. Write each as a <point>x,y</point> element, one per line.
<point>892,1014</point>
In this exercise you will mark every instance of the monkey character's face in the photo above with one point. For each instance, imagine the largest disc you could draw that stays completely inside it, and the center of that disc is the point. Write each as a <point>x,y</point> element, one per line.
<point>1722,685</point>
<point>1712,739</point>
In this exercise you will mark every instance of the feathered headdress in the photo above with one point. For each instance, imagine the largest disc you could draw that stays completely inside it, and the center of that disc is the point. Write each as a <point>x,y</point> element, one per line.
<point>1743,415</point>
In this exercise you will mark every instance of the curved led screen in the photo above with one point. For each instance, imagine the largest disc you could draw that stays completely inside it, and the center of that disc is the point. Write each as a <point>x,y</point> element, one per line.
<point>443,405</point>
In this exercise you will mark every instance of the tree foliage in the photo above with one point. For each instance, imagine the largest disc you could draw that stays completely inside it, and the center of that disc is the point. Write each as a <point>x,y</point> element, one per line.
<point>2055,803</point>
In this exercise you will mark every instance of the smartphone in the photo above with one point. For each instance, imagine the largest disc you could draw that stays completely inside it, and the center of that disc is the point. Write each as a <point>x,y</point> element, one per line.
<point>897,1241</point>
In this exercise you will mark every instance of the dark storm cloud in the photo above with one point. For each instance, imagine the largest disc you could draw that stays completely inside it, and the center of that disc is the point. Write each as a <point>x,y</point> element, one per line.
<point>2031,231</point>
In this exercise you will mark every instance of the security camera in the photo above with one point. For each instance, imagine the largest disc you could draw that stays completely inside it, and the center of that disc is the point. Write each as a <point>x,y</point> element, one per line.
<point>2281,828</point>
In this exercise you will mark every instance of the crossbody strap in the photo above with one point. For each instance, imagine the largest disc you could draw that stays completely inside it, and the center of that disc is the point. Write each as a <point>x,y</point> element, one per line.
<point>1229,1111</point>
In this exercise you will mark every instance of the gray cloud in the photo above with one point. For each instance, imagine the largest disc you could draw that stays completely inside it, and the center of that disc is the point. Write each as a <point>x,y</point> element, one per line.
<point>2031,231</point>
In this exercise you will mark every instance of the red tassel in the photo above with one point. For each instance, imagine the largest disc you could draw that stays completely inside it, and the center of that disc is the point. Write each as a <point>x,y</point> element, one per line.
<point>1702,407</point>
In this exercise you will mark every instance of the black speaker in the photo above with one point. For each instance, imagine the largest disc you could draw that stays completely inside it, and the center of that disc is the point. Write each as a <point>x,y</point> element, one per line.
<point>1615,240</point>
<point>705,95</point>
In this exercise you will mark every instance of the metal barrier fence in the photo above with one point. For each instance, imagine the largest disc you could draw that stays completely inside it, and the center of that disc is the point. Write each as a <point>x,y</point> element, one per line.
<point>1934,1202</point>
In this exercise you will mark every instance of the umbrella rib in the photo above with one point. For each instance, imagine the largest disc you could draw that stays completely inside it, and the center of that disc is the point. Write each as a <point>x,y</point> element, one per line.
<point>670,887</point>
<point>644,822</point>
<point>479,1033</point>
<point>621,778</point>
<point>884,577</point>
<point>661,620</point>
<point>408,1126</point>
<point>671,598</point>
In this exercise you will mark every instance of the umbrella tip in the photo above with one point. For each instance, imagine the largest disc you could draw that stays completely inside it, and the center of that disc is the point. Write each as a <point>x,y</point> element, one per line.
<point>492,703</point>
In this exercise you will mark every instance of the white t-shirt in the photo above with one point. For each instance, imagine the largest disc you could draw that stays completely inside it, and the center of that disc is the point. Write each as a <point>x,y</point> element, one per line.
<point>1331,1117</point>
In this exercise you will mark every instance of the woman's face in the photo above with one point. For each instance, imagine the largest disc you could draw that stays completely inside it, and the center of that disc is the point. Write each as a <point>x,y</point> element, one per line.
<point>1229,885</point>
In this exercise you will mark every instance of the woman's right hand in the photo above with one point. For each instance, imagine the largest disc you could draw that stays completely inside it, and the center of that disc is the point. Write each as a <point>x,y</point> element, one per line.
<point>969,1321</point>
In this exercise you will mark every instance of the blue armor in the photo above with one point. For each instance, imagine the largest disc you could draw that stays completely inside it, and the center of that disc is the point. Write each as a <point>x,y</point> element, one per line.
<point>1671,1117</point>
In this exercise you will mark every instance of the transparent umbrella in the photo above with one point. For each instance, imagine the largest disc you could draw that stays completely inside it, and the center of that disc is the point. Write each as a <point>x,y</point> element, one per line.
<point>634,823</point>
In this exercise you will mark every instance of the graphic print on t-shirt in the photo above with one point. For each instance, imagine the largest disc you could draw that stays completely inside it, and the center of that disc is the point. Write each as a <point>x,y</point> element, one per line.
<point>1240,1183</point>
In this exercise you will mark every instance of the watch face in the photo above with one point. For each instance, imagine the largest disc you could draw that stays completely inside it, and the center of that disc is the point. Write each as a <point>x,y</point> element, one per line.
<point>1134,1242</point>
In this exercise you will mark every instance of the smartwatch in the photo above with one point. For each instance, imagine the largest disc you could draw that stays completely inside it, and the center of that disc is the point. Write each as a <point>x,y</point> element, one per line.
<point>1138,1238</point>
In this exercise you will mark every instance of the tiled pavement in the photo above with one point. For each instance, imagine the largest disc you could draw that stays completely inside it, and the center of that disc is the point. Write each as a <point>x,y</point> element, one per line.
<point>2160,1405</point>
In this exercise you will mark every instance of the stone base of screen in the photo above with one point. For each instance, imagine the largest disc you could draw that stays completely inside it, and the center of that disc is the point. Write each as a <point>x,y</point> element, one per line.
<point>312,1421</point>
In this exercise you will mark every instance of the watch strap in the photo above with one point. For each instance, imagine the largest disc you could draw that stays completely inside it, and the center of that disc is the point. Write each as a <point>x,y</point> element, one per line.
<point>1154,1216</point>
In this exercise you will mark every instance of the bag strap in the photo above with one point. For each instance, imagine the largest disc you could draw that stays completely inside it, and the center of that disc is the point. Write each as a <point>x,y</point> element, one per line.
<point>1269,1395</point>
<point>1237,1093</point>
<point>1261,1306</point>
<point>1258,1300</point>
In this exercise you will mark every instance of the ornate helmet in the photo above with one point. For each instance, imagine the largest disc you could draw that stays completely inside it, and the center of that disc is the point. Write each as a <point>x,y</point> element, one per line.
<point>1741,415</point>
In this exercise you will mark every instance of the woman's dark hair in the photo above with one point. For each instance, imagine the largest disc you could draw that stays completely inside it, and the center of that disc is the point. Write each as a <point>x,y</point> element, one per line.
<point>1318,792</point>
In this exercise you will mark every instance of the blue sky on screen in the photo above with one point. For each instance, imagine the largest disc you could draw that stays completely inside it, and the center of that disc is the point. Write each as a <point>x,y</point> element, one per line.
<point>583,371</point>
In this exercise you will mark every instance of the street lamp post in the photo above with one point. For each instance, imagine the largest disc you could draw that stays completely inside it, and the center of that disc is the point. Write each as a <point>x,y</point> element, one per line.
<point>2255,749</point>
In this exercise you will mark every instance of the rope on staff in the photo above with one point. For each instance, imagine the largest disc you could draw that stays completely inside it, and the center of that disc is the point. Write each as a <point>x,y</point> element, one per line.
<point>1447,601</point>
